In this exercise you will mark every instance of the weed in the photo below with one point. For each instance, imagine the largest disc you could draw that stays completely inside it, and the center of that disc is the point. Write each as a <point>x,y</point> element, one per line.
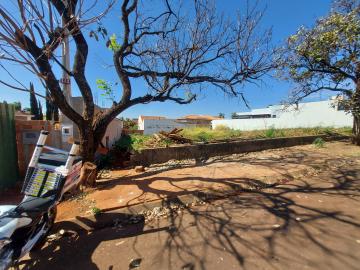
<point>204,136</point>
<point>95,210</point>
<point>138,142</point>
<point>222,127</point>
<point>319,142</point>
<point>270,133</point>
<point>167,142</point>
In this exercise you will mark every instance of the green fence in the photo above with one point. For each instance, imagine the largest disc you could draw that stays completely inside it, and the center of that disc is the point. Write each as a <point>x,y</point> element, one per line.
<point>8,152</point>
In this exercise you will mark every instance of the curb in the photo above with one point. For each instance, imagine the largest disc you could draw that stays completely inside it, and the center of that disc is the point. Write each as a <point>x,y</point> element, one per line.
<point>112,218</point>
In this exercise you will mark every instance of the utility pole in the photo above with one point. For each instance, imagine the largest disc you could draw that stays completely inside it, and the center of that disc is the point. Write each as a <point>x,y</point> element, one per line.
<point>65,80</point>
<point>67,126</point>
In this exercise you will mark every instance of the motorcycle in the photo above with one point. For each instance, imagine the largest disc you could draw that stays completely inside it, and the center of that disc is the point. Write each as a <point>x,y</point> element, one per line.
<point>50,174</point>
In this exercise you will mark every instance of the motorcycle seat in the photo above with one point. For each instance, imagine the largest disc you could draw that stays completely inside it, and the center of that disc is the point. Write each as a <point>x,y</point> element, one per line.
<point>35,204</point>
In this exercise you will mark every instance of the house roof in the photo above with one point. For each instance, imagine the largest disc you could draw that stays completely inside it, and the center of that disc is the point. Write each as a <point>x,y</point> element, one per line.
<point>199,117</point>
<point>21,113</point>
<point>143,117</point>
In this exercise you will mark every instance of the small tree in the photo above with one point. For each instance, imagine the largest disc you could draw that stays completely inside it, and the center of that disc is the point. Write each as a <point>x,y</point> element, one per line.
<point>56,113</point>
<point>221,115</point>
<point>49,108</point>
<point>234,115</point>
<point>326,58</point>
<point>129,123</point>
<point>41,115</point>
<point>17,105</point>
<point>34,108</point>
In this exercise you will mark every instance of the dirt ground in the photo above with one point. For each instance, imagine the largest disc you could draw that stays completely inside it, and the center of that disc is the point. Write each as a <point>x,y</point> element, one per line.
<point>122,188</point>
<point>296,208</point>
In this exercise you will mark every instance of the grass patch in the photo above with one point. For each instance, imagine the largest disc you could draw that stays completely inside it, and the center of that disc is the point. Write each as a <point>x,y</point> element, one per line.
<point>95,211</point>
<point>319,142</point>
<point>199,134</point>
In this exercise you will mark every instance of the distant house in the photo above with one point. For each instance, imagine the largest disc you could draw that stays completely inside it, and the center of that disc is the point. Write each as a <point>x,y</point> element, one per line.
<point>269,112</point>
<point>153,124</point>
<point>142,118</point>
<point>69,130</point>
<point>23,116</point>
<point>194,120</point>
<point>328,113</point>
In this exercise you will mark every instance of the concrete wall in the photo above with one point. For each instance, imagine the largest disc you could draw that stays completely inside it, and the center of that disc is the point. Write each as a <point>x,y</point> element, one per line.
<point>200,151</point>
<point>312,114</point>
<point>154,126</point>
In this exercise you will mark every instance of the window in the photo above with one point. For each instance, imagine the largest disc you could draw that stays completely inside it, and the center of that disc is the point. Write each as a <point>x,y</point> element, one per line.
<point>66,130</point>
<point>30,135</point>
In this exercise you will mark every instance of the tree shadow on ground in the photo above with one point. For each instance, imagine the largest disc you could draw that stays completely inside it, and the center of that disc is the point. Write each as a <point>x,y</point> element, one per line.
<point>256,225</point>
<point>75,248</point>
<point>281,215</point>
<point>313,163</point>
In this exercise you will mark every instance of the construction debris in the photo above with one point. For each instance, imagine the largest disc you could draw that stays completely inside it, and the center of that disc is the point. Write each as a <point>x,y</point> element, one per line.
<point>139,169</point>
<point>172,135</point>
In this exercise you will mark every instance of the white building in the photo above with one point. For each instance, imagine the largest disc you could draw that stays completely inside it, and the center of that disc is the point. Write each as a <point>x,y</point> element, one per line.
<point>143,118</point>
<point>304,115</point>
<point>154,124</point>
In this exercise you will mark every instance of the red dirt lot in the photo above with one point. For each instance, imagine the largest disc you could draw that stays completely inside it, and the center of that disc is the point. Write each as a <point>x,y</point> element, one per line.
<point>294,208</point>
<point>124,188</point>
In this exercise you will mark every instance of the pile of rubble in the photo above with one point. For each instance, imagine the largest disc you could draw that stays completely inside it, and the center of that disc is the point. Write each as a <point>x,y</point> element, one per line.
<point>174,135</point>
<point>171,210</point>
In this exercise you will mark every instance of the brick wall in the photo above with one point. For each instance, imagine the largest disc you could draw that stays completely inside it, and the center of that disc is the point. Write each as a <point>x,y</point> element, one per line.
<point>27,133</point>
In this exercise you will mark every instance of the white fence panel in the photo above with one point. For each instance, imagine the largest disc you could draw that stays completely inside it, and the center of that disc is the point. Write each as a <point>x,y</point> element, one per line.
<point>308,115</point>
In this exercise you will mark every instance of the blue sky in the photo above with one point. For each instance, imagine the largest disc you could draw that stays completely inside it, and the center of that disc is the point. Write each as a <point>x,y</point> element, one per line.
<point>284,16</point>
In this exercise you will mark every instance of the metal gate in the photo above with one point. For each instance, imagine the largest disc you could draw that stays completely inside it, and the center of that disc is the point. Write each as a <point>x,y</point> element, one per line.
<point>8,152</point>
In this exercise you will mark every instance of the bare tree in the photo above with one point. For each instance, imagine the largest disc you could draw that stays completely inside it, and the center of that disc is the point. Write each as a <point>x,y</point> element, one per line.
<point>184,49</point>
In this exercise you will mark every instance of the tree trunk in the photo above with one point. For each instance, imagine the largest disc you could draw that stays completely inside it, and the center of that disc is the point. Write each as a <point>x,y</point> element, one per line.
<point>356,130</point>
<point>90,139</point>
<point>87,143</point>
<point>356,115</point>
<point>88,174</point>
<point>88,146</point>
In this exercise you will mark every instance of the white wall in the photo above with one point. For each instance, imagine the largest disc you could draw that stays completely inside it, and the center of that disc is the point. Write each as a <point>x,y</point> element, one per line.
<point>113,132</point>
<point>140,123</point>
<point>152,126</point>
<point>312,114</point>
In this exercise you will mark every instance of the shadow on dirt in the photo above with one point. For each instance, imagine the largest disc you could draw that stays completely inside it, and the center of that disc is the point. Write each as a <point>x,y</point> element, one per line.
<point>255,222</point>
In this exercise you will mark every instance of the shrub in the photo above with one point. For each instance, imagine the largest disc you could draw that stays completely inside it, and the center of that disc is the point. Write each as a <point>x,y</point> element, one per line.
<point>95,211</point>
<point>319,142</point>
<point>124,143</point>
<point>270,133</point>
<point>204,136</point>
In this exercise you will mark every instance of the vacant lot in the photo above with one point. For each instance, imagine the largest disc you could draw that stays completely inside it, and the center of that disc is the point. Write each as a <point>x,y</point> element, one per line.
<point>222,133</point>
<point>294,208</point>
